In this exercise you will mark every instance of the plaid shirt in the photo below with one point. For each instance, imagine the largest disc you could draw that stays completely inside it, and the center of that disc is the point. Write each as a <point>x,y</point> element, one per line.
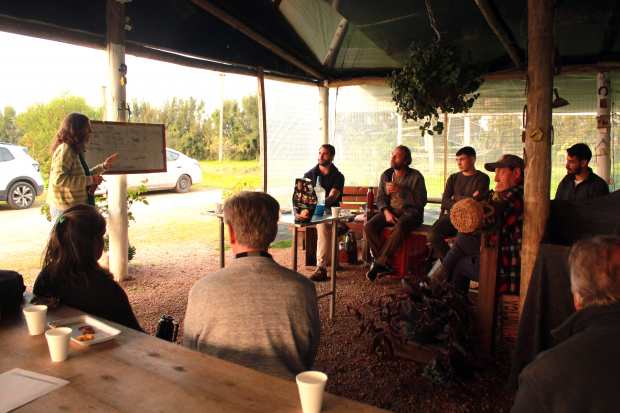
<point>510,273</point>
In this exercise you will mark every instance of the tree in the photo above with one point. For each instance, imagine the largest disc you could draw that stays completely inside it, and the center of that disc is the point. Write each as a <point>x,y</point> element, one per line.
<point>40,122</point>
<point>9,132</point>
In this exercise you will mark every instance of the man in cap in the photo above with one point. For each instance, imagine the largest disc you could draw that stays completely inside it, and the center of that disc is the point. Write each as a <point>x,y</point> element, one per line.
<point>462,262</point>
<point>580,182</point>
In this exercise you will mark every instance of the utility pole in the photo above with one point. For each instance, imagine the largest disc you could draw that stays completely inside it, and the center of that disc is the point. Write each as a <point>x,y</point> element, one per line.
<point>222,120</point>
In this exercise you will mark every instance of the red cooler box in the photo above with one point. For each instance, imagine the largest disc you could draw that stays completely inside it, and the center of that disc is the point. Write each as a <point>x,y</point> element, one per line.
<point>409,255</point>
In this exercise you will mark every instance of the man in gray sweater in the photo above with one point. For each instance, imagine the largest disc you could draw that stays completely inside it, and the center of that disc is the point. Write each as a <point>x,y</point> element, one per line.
<point>401,198</point>
<point>254,312</point>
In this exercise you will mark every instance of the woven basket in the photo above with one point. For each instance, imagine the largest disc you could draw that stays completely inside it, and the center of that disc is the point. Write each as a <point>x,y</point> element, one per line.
<point>467,215</point>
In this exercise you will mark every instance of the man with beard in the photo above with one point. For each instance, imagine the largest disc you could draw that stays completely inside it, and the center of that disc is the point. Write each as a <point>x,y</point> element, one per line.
<point>580,182</point>
<point>332,182</point>
<point>401,199</point>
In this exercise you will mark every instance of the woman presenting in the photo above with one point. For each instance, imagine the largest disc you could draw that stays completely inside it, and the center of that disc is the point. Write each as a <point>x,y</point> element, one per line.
<point>70,177</point>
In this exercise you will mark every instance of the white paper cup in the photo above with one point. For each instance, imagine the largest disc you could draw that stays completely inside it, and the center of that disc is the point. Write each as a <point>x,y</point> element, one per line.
<point>335,211</point>
<point>35,318</point>
<point>218,208</point>
<point>311,386</point>
<point>58,342</point>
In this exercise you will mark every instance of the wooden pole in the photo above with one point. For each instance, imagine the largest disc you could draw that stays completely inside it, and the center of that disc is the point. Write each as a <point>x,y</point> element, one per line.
<point>446,123</point>
<point>118,224</point>
<point>221,121</point>
<point>324,113</point>
<point>603,135</point>
<point>498,28</point>
<point>104,103</point>
<point>537,153</point>
<point>248,31</point>
<point>262,128</point>
<point>334,48</point>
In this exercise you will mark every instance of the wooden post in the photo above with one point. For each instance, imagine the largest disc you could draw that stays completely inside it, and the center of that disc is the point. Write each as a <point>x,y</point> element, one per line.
<point>400,129</point>
<point>537,153</point>
<point>104,103</point>
<point>446,123</point>
<point>118,224</point>
<point>603,135</point>
<point>262,128</point>
<point>221,151</point>
<point>324,113</point>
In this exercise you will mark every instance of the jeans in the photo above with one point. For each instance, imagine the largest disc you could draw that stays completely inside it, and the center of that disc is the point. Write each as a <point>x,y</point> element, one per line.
<point>463,260</point>
<point>437,235</point>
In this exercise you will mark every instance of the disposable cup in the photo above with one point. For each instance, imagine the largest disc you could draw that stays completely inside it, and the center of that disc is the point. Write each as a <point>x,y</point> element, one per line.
<point>335,211</point>
<point>35,318</point>
<point>218,208</point>
<point>311,386</point>
<point>58,342</point>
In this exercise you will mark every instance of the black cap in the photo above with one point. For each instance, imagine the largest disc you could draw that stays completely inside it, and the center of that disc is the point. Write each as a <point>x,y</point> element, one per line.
<point>506,161</point>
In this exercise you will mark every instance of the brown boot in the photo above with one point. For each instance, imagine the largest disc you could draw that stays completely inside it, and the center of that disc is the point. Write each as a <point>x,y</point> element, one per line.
<point>320,274</point>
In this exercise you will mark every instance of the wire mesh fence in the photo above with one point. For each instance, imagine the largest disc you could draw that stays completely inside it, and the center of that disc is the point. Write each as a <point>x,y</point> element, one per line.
<point>365,131</point>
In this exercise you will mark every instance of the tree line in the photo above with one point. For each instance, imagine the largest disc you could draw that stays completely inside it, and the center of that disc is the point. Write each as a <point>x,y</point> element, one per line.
<point>189,128</point>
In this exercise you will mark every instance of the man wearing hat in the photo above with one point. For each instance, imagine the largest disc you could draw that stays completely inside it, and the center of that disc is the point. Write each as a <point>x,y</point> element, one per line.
<point>462,262</point>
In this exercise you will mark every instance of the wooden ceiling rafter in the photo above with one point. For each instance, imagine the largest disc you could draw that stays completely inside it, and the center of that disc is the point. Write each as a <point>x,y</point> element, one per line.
<point>257,37</point>
<point>503,35</point>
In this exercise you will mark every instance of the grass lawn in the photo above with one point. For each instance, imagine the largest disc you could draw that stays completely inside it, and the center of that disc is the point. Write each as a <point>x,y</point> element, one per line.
<point>225,174</point>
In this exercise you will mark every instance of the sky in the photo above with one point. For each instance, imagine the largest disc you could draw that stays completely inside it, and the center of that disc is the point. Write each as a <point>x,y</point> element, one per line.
<point>36,70</point>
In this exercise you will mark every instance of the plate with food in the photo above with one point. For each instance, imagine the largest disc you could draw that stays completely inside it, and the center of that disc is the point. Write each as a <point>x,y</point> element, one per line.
<point>87,330</point>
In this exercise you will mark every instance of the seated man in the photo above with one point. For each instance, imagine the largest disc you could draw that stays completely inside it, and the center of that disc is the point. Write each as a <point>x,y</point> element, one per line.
<point>581,373</point>
<point>580,182</point>
<point>462,262</point>
<point>468,183</point>
<point>332,181</point>
<point>254,312</point>
<point>401,198</point>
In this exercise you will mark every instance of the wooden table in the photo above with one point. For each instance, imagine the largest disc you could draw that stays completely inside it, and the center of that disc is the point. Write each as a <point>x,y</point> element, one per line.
<point>139,373</point>
<point>289,220</point>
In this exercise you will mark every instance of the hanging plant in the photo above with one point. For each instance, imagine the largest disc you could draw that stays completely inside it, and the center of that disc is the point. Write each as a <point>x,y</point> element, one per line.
<point>437,77</point>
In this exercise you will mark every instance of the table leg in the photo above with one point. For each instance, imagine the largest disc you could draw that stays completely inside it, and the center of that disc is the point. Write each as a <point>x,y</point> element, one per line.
<point>294,246</point>
<point>332,297</point>
<point>222,263</point>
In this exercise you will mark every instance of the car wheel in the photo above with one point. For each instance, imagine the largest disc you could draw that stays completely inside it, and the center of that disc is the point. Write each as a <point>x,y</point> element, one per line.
<point>21,195</point>
<point>183,184</point>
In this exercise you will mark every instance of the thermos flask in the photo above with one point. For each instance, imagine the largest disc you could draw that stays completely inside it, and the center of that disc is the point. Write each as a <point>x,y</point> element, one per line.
<point>167,328</point>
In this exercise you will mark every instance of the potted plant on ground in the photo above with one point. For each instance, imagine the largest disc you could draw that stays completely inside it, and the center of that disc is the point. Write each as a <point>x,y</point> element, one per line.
<point>436,77</point>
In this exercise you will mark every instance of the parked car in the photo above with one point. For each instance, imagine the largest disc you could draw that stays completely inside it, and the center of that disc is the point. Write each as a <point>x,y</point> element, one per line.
<point>183,172</point>
<point>20,176</point>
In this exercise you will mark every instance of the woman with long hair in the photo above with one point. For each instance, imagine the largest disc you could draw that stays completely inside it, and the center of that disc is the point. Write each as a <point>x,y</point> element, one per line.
<point>71,272</point>
<point>70,177</point>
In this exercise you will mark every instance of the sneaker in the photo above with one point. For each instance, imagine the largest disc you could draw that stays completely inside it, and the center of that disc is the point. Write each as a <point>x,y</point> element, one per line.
<point>378,271</point>
<point>320,274</point>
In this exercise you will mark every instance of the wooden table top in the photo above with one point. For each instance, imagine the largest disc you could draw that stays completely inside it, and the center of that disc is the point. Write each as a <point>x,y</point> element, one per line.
<point>137,372</point>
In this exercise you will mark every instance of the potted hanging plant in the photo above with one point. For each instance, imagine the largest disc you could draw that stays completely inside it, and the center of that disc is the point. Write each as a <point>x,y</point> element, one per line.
<point>437,77</point>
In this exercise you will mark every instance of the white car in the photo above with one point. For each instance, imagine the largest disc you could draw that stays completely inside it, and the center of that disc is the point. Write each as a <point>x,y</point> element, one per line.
<point>183,172</point>
<point>20,176</point>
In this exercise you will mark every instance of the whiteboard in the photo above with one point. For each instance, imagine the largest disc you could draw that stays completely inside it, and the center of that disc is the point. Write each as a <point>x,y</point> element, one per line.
<point>141,147</point>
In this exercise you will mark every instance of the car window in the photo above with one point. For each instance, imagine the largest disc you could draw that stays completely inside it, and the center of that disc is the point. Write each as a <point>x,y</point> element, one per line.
<point>5,155</point>
<point>171,156</point>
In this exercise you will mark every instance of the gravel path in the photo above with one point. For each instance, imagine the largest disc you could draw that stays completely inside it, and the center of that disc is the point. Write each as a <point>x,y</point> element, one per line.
<point>161,286</point>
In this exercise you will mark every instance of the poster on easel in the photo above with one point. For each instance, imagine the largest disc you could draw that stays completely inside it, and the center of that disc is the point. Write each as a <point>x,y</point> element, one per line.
<point>141,147</point>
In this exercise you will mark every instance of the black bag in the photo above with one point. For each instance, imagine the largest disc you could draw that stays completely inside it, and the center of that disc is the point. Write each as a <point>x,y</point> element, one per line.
<point>11,290</point>
<point>304,200</point>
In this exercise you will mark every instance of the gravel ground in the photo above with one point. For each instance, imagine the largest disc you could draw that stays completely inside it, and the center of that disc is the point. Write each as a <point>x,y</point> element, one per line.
<point>160,286</point>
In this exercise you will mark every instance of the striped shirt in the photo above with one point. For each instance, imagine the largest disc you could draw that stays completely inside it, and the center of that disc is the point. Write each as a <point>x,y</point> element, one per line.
<point>67,184</point>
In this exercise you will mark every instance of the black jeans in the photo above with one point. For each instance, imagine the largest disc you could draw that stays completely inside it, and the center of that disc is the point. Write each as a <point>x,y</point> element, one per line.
<point>463,260</point>
<point>437,235</point>
<point>373,228</point>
